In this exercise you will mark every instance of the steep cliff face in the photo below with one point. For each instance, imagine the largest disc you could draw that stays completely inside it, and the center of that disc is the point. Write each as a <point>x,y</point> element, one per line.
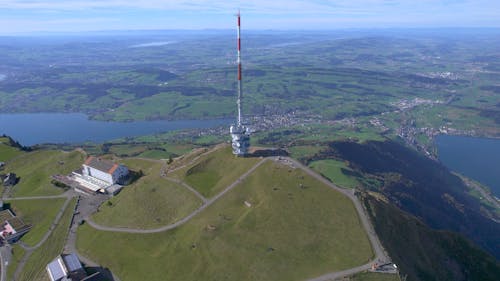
<point>423,188</point>
<point>426,254</point>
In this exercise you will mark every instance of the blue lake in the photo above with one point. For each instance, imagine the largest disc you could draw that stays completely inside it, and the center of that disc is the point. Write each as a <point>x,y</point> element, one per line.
<point>36,128</point>
<point>476,158</point>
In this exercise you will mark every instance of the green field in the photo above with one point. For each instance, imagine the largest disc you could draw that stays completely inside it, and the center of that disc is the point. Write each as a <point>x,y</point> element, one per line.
<point>215,171</point>
<point>7,152</point>
<point>34,268</point>
<point>300,151</point>
<point>290,232</point>
<point>36,168</point>
<point>39,213</point>
<point>332,169</point>
<point>155,154</point>
<point>149,202</point>
<point>123,150</point>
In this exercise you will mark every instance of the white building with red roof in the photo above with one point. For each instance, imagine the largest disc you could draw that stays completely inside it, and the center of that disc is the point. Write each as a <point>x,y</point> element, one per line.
<point>104,170</point>
<point>100,175</point>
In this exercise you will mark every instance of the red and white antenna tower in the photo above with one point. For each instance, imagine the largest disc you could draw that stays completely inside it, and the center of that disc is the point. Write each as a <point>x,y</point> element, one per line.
<point>240,136</point>
<point>240,90</point>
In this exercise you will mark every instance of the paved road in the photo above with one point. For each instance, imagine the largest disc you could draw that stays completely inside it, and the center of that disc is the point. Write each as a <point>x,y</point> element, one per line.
<point>83,206</point>
<point>5,257</point>
<point>185,219</point>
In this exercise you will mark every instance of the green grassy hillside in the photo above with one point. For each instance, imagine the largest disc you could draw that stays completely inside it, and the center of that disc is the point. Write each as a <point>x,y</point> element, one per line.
<point>150,202</point>
<point>39,213</point>
<point>295,228</point>
<point>333,170</point>
<point>36,168</point>
<point>34,269</point>
<point>215,171</point>
<point>7,151</point>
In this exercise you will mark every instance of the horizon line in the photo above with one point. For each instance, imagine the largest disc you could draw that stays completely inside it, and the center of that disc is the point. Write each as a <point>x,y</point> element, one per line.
<point>83,32</point>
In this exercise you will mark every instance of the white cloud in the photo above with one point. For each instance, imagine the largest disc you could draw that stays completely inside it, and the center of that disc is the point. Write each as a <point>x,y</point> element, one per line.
<point>277,14</point>
<point>220,5</point>
<point>334,7</point>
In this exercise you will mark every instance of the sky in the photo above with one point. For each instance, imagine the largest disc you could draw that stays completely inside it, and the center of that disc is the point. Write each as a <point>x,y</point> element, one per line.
<point>20,16</point>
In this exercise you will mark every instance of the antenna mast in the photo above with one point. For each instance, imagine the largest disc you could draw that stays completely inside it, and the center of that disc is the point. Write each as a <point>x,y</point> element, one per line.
<point>240,90</point>
<point>240,136</point>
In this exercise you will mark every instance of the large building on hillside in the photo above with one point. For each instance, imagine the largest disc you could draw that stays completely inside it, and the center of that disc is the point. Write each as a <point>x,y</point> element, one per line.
<point>100,175</point>
<point>104,170</point>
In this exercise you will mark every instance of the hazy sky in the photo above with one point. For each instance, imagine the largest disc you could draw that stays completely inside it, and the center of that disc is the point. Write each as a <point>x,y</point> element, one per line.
<point>89,15</point>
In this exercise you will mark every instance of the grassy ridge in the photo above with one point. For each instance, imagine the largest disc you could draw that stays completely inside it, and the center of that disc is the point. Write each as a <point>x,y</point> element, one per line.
<point>39,213</point>
<point>290,232</point>
<point>36,168</point>
<point>7,152</point>
<point>150,202</point>
<point>215,171</point>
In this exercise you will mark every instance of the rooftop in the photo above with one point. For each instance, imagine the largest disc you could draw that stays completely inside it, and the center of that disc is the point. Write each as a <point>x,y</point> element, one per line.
<point>18,224</point>
<point>15,222</point>
<point>106,166</point>
<point>5,215</point>
<point>72,262</point>
<point>56,269</point>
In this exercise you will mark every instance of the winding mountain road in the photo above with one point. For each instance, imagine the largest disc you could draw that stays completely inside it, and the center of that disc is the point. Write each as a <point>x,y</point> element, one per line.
<point>380,254</point>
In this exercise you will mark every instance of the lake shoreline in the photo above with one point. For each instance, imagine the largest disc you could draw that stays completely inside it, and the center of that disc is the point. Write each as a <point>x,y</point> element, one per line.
<point>473,157</point>
<point>76,128</point>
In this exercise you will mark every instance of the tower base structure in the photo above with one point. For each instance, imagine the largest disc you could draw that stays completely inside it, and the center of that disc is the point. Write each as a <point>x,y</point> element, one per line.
<point>240,140</point>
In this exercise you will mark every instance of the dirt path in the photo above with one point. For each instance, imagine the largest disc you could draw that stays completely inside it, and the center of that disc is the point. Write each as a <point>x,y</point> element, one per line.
<point>379,252</point>
<point>217,147</point>
<point>51,229</point>
<point>190,188</point>
<point>67,194</point>
<point>185,219</point>
<point>380,255</point>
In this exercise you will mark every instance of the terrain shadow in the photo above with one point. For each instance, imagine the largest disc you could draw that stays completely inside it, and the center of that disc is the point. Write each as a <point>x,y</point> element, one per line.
<point>97,273</point>
<point>267,152</point>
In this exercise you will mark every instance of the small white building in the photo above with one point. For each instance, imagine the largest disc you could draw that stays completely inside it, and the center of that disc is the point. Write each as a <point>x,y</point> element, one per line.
<point>104,170</point>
